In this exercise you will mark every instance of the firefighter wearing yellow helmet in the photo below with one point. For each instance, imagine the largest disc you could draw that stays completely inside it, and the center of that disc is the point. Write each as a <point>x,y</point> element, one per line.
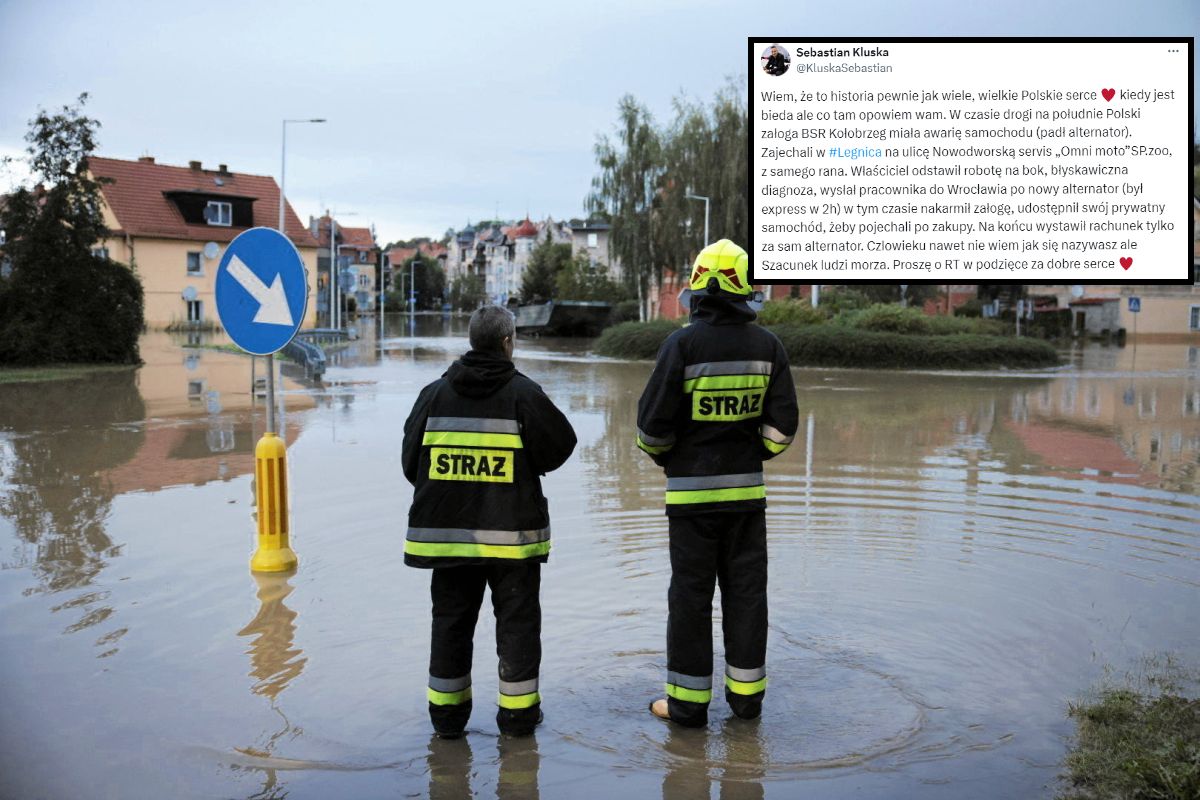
<point>719,403</point>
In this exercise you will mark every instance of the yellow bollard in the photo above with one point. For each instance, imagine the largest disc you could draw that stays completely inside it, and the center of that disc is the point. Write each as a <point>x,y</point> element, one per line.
<point>274,553</point>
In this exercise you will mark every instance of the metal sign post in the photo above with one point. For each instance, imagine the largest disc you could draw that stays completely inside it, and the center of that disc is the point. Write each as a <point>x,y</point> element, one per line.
<point>262,294</point>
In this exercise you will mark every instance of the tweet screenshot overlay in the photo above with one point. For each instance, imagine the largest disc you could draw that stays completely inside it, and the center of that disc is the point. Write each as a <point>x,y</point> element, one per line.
<point>956,160</point>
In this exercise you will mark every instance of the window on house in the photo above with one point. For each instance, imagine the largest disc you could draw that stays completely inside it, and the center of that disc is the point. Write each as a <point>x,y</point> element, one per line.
<point>1191,404</point>
<point>1194,319</point>
<point>195,310</point>
<point>362,257</point>
<point>1148,404</point>
<point>593,240</point>
<point>218,213</point>
<point>100,252</point>
<point>194,265</point>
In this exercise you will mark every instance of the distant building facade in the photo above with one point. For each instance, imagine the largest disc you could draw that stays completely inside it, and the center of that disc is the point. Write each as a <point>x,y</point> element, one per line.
<point>500,253</point>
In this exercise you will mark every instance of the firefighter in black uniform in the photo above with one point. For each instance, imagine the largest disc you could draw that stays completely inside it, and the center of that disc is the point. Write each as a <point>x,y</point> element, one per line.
<point>720,402</point>
<point>475,444</point>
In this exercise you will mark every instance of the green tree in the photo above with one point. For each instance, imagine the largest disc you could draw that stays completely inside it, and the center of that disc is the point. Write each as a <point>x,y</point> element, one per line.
<point>646,174</point>
<point>539,280</point>
<point>916,293</point>
<point>428,278</point>
<point>467,292</point>
<point>630,173</point>
<point>580,279</point>
<point>61,303</point>
<point>704,155</point>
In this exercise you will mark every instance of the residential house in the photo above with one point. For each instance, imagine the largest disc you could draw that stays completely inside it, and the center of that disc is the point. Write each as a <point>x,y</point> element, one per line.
<point>356,259</point>
<point>172,224</point>
<point>591,238</point>
<point>431,252</point>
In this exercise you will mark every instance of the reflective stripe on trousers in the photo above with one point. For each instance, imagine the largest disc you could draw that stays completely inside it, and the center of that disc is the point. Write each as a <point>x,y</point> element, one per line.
<point>715,488</point>
<point>449,691</point>
<point>520,694</point>
<point>745,681</point>
<point>691,688</point>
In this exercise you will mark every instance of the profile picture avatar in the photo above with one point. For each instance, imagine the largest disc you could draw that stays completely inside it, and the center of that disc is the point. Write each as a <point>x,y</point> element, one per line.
<point>775,60</point>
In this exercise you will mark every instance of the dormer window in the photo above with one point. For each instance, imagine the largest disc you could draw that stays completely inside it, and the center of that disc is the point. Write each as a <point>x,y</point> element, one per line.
<point>218,213</point>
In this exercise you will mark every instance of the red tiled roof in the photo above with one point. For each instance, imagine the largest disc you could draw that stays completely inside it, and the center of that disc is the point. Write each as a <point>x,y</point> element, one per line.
<point>398,255</point>
<point>356,237</point>
<point>524,230</point>
<point>136,196</point>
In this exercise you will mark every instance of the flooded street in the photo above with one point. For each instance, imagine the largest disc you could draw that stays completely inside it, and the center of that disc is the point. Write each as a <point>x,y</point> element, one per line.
<point>953,558</point>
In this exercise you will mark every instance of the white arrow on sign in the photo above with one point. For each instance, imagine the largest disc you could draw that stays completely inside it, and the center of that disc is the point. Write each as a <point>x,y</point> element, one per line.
<point>272,302</point>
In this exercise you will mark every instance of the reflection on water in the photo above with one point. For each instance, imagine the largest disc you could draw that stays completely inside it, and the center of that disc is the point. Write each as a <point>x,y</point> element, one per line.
<point>274,658</point>
<point>953,557</point>
<point>56,457</point>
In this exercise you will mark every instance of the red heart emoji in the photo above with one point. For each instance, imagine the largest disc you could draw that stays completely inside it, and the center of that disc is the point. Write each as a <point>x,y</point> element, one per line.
<point>1108,93</point>
<point>1126,262</point>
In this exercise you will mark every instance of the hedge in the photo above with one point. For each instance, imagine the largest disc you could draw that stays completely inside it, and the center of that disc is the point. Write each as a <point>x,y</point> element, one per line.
<point>842,346</point>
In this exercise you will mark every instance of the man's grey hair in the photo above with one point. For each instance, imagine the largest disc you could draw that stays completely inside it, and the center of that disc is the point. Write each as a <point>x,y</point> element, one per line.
<point>490,326</point>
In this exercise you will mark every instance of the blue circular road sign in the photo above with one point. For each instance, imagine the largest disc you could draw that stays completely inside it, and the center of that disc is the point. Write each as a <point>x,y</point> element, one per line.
<point>261,291</point>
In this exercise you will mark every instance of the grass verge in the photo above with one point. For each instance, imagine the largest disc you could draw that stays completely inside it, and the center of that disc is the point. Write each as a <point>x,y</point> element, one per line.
<point>1137,739</point>
<point>57,372</point>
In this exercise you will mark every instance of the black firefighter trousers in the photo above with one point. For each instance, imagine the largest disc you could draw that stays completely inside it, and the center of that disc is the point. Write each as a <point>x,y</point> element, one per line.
<point>729,548</point>
<point>457,594</point>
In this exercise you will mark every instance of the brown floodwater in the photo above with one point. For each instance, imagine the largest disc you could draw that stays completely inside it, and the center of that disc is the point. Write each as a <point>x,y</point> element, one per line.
<point>953,558</point>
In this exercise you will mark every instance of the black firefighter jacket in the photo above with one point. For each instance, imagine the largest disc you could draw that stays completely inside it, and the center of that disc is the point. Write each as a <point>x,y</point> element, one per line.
<point>720,401</point>
<point>475,444</point>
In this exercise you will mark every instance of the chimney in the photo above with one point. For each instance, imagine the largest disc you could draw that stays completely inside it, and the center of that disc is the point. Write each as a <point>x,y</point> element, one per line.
<point>146,159</point>
<point>194,165</point>
<point>223,169</point>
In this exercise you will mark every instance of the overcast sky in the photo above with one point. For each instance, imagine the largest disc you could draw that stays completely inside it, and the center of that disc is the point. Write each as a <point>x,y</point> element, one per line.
<point>439,112</point>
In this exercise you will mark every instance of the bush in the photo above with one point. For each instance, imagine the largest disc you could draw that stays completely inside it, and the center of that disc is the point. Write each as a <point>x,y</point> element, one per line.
<point>60,303</point>
<point>971,308</point>
<point>624,311</point>
<point>947,326</point>
<point>635,339</point>
<point>842,346</point>
<point>888,318</point>
<point>80,309</point>
<point>836,346</point>
<point>841,300</point>
<point>1055,324</point>
<point>791,311</point>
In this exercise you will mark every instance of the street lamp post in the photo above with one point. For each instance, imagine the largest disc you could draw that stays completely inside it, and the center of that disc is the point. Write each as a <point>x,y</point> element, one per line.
<point>412,292</point>
<point>335,299</point>
<point>412,283</point>
<point>382,260</point>
<point>283,168</point>
<point>705,199</point>
<point>283,231</point>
